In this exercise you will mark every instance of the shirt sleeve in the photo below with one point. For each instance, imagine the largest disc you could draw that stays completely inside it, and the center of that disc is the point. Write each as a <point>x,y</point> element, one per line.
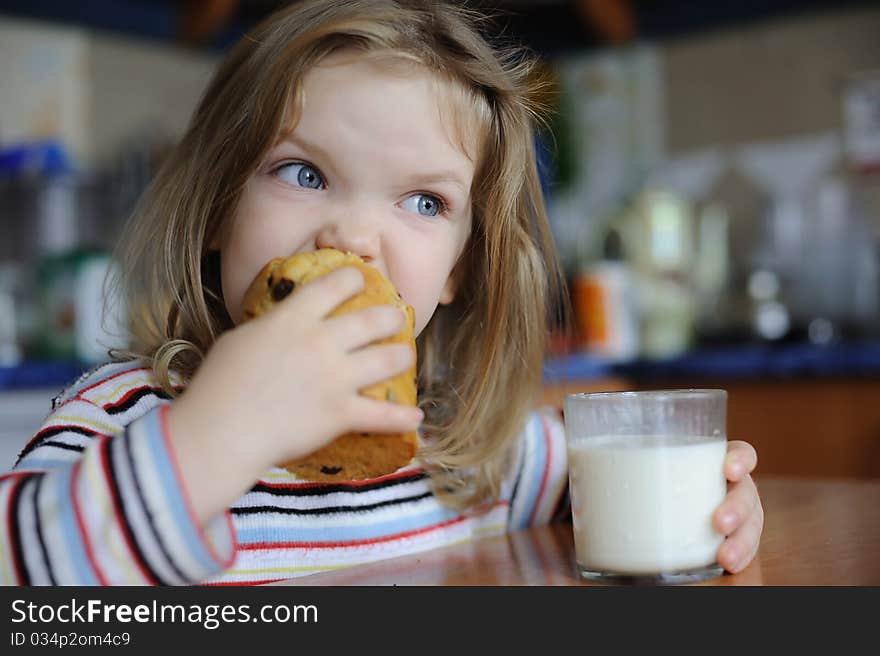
<point>93,503</point>
<point>540,489</point>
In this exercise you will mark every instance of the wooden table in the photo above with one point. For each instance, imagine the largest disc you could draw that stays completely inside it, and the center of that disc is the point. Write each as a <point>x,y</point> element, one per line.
<point>816,532</point>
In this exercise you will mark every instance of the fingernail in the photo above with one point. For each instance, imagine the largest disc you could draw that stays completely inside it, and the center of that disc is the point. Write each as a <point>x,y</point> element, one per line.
<point>736,468</point>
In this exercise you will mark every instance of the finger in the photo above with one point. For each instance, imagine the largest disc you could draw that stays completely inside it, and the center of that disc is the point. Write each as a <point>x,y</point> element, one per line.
<point>354,330</point>
<point>377,363</point>
<point>740,548</point>
<point>374,416</point>
<point>740,502</point>
<point>741,459</point>
<point>321,296</point>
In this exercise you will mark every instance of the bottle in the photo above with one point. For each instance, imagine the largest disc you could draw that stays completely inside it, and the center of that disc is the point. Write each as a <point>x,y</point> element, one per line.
<point>78,323</point>
<point>605,305</point>
<point>664,265</point>
<point>712,272</point>
<point>770,315</point>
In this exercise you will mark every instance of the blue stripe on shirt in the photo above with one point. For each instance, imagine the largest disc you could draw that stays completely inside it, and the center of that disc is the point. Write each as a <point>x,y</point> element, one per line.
<point>152,428</point>
<point>42,464</point>
<point>536,450</point>
<point>345,533</point>
<point>75,549</point>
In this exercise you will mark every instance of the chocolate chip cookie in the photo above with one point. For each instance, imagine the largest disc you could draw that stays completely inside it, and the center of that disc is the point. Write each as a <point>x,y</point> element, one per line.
<point>352,456</point>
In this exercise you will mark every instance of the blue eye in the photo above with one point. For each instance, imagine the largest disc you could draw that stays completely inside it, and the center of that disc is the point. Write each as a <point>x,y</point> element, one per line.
<point>425,204</point>
<point>299,174</point>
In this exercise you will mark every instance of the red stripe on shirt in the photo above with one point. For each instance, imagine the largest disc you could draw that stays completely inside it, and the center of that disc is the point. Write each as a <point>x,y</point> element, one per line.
<point>544,475</point>
<point>134,390</point>
<point>53,427</point>
<point>104,380</point>
<point>20,472</point>
<point>264,546</point>
<point>224,563</point>
<point>306,485</point>
<point>156,389</point>
<point>227,584</point>
<point>16,566</point>
<point>90,554</point>
<point>117,515</point>
<point>63,427</point>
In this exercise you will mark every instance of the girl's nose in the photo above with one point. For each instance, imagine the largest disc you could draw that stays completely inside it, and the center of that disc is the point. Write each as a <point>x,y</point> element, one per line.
<point>357,234</point>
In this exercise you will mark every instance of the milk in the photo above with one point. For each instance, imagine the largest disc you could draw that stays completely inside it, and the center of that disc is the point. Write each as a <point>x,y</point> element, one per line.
<point>643,504</point>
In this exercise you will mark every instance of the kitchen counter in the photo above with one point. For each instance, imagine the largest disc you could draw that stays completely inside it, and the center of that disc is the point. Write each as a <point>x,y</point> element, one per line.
<point>754,361</point>
<point>748,361</point>
<point>807,410</point>
<point>40,374</point>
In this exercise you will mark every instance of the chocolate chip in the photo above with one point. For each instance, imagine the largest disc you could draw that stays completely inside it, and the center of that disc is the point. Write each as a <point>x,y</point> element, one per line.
<point>282,289</point>
<point>270,281</point>
<point>325,469</point>
<point>365,434</point>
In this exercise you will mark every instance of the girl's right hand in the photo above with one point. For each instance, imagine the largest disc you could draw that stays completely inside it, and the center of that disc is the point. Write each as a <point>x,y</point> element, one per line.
<point>284,384</point>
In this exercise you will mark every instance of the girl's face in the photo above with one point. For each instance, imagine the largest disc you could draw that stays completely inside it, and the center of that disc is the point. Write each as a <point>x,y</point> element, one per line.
<point>369,168</point>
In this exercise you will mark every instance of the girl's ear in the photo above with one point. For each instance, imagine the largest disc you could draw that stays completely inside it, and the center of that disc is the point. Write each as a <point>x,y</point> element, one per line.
<point>451,286</point>
<point>216,240</point>
<point>448,293</point>
<point>455,276</point>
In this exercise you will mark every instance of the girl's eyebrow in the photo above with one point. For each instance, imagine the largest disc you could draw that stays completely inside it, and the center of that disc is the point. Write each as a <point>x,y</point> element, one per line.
<point>429,178</point>
<point>299,142</point>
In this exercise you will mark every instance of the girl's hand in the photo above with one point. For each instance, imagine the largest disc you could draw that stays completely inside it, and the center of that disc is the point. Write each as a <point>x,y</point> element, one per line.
<point>284,384</point>
<point>740,516</point>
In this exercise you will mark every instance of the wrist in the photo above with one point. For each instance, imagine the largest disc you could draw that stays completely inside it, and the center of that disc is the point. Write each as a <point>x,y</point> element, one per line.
<point>202,440</point>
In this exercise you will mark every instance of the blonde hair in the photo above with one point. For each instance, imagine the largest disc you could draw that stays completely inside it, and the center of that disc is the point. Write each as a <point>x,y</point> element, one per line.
<point>480,358</point>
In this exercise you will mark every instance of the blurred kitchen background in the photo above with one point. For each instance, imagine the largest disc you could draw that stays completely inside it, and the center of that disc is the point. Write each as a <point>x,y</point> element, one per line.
<point>712,172</point>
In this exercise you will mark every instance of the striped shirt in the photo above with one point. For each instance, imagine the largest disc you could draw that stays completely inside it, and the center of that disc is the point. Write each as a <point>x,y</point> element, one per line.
<point>96,498</point>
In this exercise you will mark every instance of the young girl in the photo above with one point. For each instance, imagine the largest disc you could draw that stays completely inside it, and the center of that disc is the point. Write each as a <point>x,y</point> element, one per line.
<point>382,127</point>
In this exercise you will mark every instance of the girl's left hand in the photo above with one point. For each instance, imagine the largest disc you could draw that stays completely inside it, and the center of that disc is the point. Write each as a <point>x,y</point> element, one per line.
<point>740,516</point>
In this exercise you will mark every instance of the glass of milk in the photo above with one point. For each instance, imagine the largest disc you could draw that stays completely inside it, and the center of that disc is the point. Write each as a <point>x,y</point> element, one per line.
<point>645,476</point>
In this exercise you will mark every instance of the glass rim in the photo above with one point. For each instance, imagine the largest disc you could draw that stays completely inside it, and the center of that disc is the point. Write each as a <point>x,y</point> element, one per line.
<point>697,393</point>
